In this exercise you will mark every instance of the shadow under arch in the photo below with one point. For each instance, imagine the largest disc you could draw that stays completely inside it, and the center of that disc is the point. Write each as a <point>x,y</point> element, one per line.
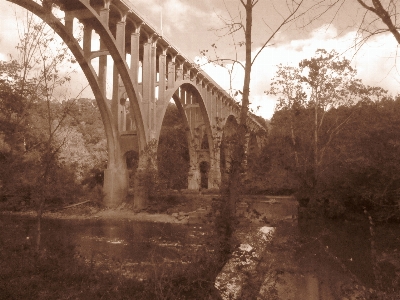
<point>172,94</point>
<point>193,140</point>
<point>204,167</point>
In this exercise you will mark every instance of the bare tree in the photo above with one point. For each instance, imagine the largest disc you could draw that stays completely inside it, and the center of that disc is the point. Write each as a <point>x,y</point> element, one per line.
<point>377,13</point>
<point>239,29</point>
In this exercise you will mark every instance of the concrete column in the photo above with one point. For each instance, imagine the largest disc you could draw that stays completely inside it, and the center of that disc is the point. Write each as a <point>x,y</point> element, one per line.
<point>117,104</point>
<point>209,106</point>
<point>146,176</point>
<point>162,70</point>
<point>104,16</point>
<point>194,176</point>
<point>179,71</point>
<point>171,73</point>
<point>183,97</point>
<point>116,183</point>
<point>116,176</point>
<point>146,83</point>
<point>153,79</point>
<point>149,83</point>
<point>135,56</point>
<point>186,76</point>
<point>87,40</point>
<point>69,22</point>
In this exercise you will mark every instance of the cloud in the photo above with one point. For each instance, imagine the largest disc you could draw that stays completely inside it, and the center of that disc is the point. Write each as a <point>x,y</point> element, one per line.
<point>9,30</point>
<point>375,62</point>
<point>185,23</point>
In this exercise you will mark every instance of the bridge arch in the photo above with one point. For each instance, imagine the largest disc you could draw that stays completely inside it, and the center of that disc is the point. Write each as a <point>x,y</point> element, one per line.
<point>115,185</point>
<point>192,108</point>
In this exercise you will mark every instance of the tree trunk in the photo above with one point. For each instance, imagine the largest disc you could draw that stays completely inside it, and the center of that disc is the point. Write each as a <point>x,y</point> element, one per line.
<point>296,157</point>
<point>234,184</point>
<point>39,226</point>
<point>316,150</point>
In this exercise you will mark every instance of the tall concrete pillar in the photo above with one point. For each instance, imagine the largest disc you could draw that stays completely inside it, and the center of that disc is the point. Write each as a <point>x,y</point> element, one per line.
<point>162,73</point>
<point>116,176</point>
<point>134,70</point>
<point>194,175</point>
<point>146,174</point>
<point>104,16</point>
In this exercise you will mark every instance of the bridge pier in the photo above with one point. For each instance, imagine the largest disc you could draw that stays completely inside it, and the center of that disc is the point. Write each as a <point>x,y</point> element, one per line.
<point>145,178</point>
<point>194,178</point>
<point>115,188</point>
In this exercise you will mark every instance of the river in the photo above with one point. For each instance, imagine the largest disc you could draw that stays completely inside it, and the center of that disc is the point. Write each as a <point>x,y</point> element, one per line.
<point>305,255</point>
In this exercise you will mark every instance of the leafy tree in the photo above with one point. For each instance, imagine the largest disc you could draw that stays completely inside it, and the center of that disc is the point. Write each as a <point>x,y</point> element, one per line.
<point>320,132</point>
<point>31,121</point>
<point>322,83</point>
<point>364,162</point>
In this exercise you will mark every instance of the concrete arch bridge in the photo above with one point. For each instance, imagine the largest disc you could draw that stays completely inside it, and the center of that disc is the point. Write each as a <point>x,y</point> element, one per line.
<point>148,72</point>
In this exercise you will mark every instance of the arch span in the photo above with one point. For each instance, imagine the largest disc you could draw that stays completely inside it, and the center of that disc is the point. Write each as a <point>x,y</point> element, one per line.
<point>115,183</point>
<point>190,103</point>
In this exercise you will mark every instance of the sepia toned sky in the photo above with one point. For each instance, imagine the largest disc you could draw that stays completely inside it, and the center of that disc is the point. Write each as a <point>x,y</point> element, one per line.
<point>190,25</point>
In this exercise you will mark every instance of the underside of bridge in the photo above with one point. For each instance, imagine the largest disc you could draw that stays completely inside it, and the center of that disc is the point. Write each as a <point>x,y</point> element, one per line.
<point>147,72</point>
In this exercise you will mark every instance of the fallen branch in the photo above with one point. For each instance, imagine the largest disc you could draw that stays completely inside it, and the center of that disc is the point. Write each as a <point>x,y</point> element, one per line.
<point>76,204</point>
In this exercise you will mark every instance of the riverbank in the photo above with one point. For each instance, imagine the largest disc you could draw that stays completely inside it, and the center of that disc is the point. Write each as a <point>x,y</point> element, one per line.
<point>176,208</point>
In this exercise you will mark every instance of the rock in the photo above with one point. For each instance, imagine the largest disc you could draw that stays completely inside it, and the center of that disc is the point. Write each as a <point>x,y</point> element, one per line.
<point>245,247</point>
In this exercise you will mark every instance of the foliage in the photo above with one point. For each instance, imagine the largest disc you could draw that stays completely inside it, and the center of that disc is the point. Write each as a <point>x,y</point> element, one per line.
<point>343,152</point>
<point>42,160</point>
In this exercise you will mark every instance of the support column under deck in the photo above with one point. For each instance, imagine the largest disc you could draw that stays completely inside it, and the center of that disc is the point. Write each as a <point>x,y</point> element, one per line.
<point>145,180</point>
<point>116,176</point>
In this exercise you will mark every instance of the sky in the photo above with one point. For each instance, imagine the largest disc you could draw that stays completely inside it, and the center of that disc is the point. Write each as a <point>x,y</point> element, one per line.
<point>191,25</point>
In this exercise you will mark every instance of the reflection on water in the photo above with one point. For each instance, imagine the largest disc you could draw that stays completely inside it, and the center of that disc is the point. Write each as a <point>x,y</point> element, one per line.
<point>126,246</point>
<point>127,240</point>
<point>325,259</point>
<point>347,243</point>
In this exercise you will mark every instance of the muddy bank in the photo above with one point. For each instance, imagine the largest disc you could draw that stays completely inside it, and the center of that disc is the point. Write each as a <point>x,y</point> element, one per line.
<point>118,214</point>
